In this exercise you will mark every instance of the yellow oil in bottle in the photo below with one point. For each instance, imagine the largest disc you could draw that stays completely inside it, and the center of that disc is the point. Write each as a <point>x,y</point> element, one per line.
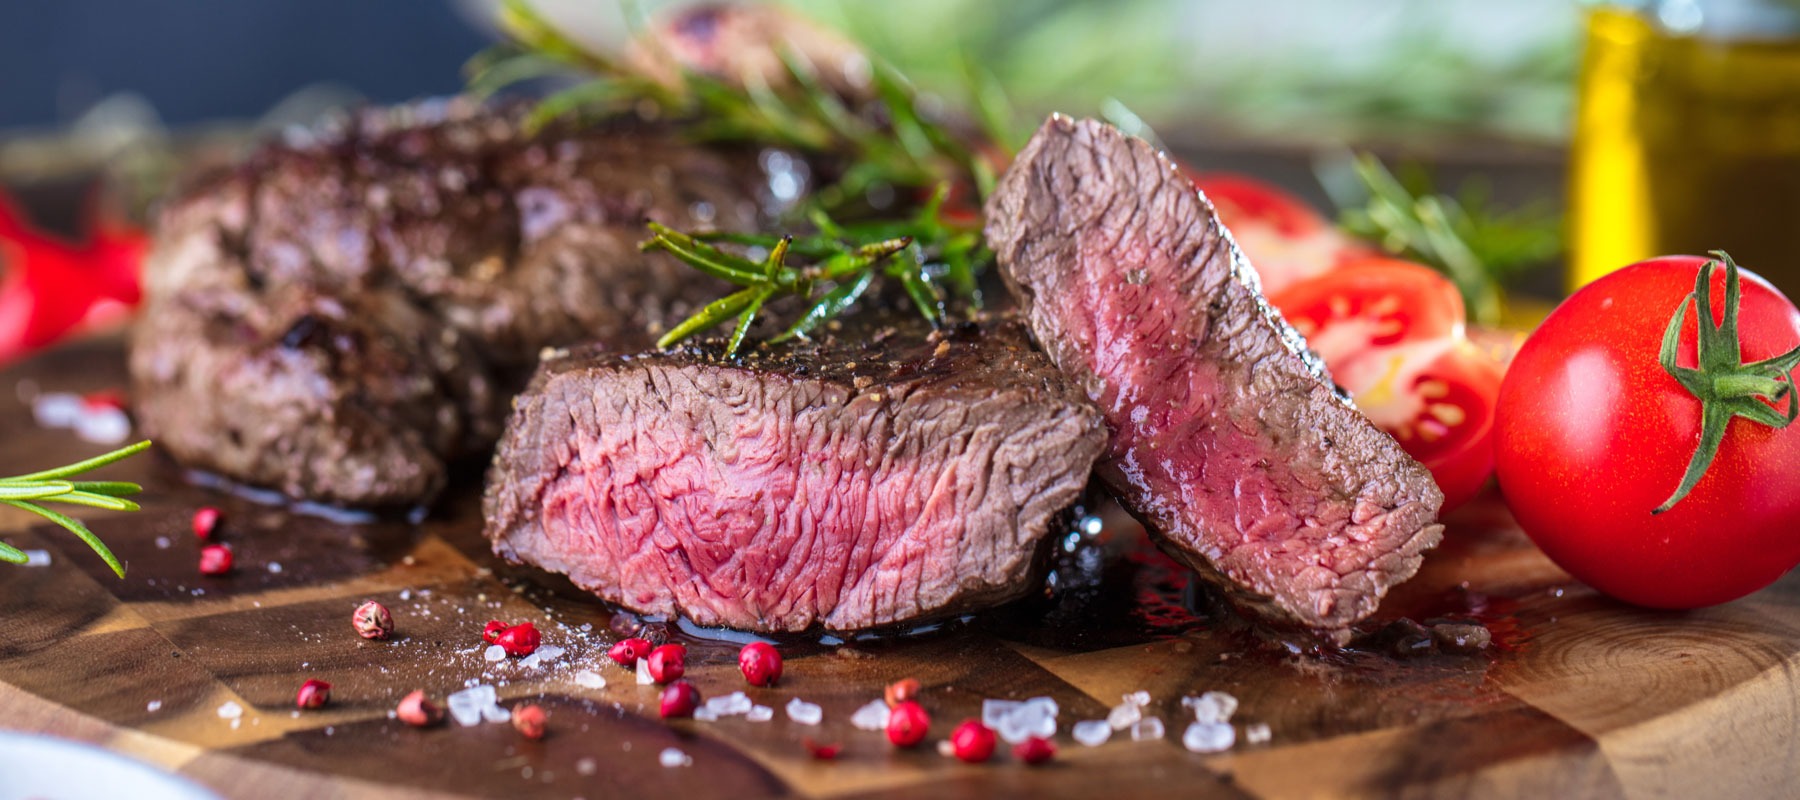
<point>1685,144</point>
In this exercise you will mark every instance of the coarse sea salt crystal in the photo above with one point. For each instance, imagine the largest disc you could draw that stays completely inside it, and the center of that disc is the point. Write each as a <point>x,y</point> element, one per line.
<point>1147,729</point>
<point>230,710</point>
<point>154,706</point>
<point>671,757</point>
<point>804,713</point>
<point>1139,697</point>
<point>1212,706</point>
<point>871,717</point>
<point>1257,733</point>
<point>56,409</point>
<point>495,713</point>
<point>1091,732</point>
<point>1209,737</point>
<point>466,706</point>
<point>37,558</point>
<point>162,542</point>
<point>759,714</point>
<point>532,661</point>
<point>992,711</point>
<point>706,714</point>
<point>643,672</point>
<point>549,653</point>
<point>103,426</point>
<point>1124,716</point>
<point>494,653</point>
<point>590,679</point>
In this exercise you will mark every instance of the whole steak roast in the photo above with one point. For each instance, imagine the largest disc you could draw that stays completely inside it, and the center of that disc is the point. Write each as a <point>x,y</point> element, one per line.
<point>341,318</point>
<point>886,475</point>
<point>1227,436</point>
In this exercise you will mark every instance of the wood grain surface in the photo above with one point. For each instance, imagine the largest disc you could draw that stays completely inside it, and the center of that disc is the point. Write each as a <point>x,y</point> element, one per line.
<point>1580,696</point>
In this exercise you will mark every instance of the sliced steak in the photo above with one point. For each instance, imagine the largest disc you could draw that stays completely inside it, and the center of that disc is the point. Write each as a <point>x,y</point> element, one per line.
<point>881,477</point>
<point>1228,438</point>
<point>345,314</point>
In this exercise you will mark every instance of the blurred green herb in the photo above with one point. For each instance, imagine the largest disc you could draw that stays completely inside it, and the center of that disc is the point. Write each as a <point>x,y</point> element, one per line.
<point>1478,247</point>
<point>892,141</point>
<point>846,259</point>
<point>31,492</point>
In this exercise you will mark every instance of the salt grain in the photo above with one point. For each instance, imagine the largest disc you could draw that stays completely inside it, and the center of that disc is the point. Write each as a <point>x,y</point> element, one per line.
<point>154,706</point>
<point>275,567</point>
<point>705,714</point>
<point>496,714</point>
<point>1257,733</point>
<point>1124,716</point>
<point>759,714</point>
<point>1091,732</point>
<point>1211,706</point>
<point>106,425</point>
<point>803,712</point>
<point>1147,729</point>
<point>162,543</point>
<point>871,717</point>
<point>643,672</point>
<point>1209,737</point>
<point>230,710</point>
<point>532,661</point>
<point>494,653</point>
<point>590,679</point>
<point>56,409</point>
<point>37,558</point>
<point>992,711</point>
<point>671,757</point>
<point>1139,697</point>
<point>587,766</point>
<point>549,653</point>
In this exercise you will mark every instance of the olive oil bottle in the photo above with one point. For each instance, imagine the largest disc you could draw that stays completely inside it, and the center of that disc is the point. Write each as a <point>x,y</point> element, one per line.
<point>1687,137</point>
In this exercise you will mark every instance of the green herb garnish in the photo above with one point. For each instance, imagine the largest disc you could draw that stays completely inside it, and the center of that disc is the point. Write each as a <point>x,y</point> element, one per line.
<point>1478,248</point>
<point>30,492</point>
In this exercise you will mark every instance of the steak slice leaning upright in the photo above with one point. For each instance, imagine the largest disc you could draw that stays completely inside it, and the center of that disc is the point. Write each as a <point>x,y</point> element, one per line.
<point>885,475</point>
<point>1228,437</point>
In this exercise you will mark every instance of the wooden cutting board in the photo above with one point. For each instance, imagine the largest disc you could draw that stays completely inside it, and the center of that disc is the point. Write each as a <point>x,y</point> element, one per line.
<point>1579,695</point>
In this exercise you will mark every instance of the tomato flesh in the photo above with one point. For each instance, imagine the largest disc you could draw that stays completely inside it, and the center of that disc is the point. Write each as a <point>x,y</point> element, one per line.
<point>1371,302</point>
<point>1592,434</point>
<point>1436,398</point>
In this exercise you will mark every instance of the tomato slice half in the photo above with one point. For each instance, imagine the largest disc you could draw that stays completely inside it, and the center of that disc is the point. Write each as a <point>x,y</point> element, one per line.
<point>1371,302</point>
<point>1436,398</point>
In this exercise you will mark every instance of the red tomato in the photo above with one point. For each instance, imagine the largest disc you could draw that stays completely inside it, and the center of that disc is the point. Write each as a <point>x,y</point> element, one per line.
<point>1285,239</point>
<point>1593,435</point>
<point>1436,398</point>
<point>1371,302</point>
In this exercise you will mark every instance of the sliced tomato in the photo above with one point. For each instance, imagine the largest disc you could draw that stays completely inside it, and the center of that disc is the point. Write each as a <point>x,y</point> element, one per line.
<point>1371,302</point>
<point>1286,239</point>
<point>1436,398</point>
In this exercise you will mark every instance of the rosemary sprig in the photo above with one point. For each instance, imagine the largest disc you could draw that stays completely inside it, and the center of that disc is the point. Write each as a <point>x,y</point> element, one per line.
<point>1478,248</point>
<point>846,259</point>
<point>893,142</point>
<point>30,492</point>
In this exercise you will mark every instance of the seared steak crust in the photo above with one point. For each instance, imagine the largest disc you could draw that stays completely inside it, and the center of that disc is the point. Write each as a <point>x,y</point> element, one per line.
<point>344,315</point>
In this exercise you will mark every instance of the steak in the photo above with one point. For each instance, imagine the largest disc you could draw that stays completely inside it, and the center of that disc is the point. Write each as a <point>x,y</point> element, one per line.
<point>1227,436</point>
<point>883,476</point>
<point>345,315</point>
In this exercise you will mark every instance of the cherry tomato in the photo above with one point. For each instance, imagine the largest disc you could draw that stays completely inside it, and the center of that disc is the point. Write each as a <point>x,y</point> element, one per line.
<point>1593,434</point>
<point>1285,239</point>
<point>1371,302</point>
<point>1436,398</point>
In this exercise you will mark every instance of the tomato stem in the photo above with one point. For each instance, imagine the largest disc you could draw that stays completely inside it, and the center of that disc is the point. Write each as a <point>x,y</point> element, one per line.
<point>1725,386</point>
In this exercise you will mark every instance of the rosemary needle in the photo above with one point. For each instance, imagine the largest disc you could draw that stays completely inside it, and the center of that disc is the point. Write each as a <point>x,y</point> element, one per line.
<point>30,492</point>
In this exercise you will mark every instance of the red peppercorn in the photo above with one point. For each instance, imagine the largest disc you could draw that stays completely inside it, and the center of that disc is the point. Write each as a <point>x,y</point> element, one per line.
<point>972,742</point>
<point>627,652</point>
<point>418,711</point>
<point>668,663</point>
<point>907,724</point>
<point>760,663</point>
<point>901,691</point>
<point>215,559</point>
<point>206,521</point>
<point>1034,750</point>
<point>820,750</point>
<point>519,640</point>
<point>313,694</point>
<point>372,620</point>
<point>491,633</point>
<point>529,721</point>
<point>679,699</point>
